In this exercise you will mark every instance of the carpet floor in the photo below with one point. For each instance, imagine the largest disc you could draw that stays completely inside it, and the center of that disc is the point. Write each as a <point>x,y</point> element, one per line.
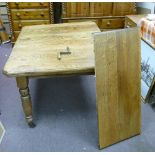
<point>65,113</point>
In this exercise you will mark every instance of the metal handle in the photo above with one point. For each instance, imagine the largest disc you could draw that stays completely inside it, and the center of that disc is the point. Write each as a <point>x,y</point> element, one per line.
<point>67,52</point>
<point>18,14</point>
<point>19,25</point>
<point>108,23</point>
<point>42,13</point>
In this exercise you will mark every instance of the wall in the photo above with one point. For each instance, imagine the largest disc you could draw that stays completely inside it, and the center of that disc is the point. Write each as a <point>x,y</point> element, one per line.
<point>145,7</point>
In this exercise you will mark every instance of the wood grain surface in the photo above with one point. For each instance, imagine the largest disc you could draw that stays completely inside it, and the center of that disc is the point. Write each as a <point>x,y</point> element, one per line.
<point>104,22</point>
<point>28,5</point>
<point>112,23</point>
<point>30,14</point>
<point>35,52</point>
<point>18,24</point>
<point>124,8</point>
<point>101,9</point>
<point>117,59</point>
<point>75,9</point>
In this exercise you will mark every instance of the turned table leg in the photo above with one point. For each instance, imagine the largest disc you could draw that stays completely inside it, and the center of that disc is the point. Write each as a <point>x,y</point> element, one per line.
<point>22,84</point>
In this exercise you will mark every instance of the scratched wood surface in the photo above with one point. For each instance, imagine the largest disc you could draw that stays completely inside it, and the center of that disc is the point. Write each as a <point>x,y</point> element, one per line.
<point>117,67</point>
<point>35,52</point>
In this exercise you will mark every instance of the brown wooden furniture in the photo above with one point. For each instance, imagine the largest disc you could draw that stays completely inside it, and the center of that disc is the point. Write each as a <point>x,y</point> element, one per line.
<point>36,55</point>
<point>107,15</point>
<point>68,49</point>
<point>28,13</point>
<point>117,68</point>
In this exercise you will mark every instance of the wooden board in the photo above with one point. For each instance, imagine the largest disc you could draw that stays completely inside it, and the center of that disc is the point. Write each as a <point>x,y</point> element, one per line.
<point>75,9</point>
<point>124,8</point>
<point>117,63</point>
<point>97,9</point>
<point>37,47</point>
<point>100,9</point>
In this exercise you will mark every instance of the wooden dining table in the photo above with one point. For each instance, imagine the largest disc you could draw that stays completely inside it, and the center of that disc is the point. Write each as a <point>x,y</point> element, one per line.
<point>50,50</point>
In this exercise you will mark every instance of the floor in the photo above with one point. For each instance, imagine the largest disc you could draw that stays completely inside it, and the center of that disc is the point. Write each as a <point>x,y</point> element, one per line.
<point>65,114</point>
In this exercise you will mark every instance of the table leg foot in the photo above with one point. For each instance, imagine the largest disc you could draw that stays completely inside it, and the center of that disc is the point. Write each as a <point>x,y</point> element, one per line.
<point>31,124</point>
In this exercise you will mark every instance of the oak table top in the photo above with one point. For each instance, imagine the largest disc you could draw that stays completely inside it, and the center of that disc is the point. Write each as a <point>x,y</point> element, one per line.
<point>37,50</point>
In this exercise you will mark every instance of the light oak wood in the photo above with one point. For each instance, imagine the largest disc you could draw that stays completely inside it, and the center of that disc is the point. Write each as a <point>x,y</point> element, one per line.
<point>98,9</point>
<point>22,84</point>
<point>117,68</point>
<point>72,20</point>
<point>94,11</point>
<point>75,9</point>
<point>35,54</point>
<point>106,22</point>
<point>124,8</point>
<point>112,23</point>
<point>30,14</point>
<point>28,5</point>
<point>21,23</point>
